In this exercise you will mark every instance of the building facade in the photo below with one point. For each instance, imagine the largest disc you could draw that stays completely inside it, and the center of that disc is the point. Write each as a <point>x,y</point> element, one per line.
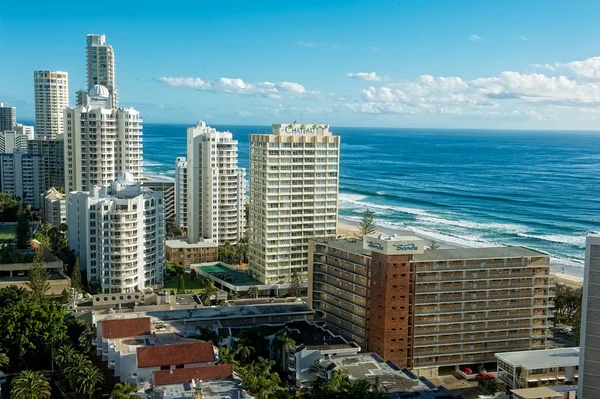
<point>54,207</point>
<point>101,65</point>
<point>28,131</point>
<point>51,92</point>
<point>589,381</point>
<point>12,141</point>
<point>184,254</point>
<point>8,117</point>
<point>214,186</point>
<point>22,175</point>
<point>101,141</point>
<point>429,308</point>
<point>167,188</point>
<point>181,205</point>
<point>118,232</point>
<point>293,197</point>
<point>53,153</point>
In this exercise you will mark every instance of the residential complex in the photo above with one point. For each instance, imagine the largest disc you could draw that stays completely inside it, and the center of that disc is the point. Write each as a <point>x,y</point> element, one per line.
<point>100,142</point>
<point>28,131</point>
<point>12,141</point>
<point>185,254</point>
<point>53,153</point>
<point>214,186</point>
<point>118,234</point>
<point>8,117</point>
<point>589,383</point>
<point>293,197</point>
<point>531,369</point>
<point>181,199</point>
<point>424,309</point>
<point>54,207</point>
<point>22,176</point>
<point>167,188</point>
<point>101,65</point>
<point>51,91</point>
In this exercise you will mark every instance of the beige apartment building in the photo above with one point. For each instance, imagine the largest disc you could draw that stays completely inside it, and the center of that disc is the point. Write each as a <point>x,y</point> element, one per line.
<point>293,198</point>
<point>425,309</point>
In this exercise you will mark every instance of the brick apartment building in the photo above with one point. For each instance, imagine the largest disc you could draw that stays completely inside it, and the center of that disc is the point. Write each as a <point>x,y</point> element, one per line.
<point>426,309</point>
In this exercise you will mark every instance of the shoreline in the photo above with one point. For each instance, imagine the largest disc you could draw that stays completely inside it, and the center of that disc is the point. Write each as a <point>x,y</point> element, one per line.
<point>565,274</point>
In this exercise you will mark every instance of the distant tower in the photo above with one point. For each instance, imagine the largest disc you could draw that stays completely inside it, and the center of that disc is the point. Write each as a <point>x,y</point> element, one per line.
<point>100,141</point>
<point>181,205</point>
<point>214,186</point>
<point>8,117</point>
<point>101,65</point>
<point>51,91</point>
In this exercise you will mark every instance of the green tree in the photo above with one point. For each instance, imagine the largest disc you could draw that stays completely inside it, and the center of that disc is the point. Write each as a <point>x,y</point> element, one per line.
<point>38,278</point>
<point>63,355</point>
<point>295,285</point>
<point>80,333</point>
<point>489,385</point>
<point>244,352</point>
<point>23,228</point>
<point>209,291</point>
<point>30,385</point>
<point>284,345</point>
<point>254,291</point>
<point>181,285</point>
<point>87,379</point>
<point>4,360</point>
<point>576,337</point>
<point>366,225</point>
<point>65,297</point>
<point>44,227</point>
<point>227,356</point>
<point>9,207</point>
<point>434,245</point>
<point>208,334</point>
<point>259,378</point>
<point>76,276</point>
<point>124,391</point>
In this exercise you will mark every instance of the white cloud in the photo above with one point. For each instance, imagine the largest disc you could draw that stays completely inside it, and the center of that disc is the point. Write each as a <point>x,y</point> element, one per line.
<point>305,44</point>
<point>475,38</point>
<point>238,86</point>
<point>368,76</point>
<point>588,69</point>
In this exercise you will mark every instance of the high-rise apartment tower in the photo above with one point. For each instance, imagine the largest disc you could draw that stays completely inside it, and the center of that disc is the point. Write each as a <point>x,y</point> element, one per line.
<point>51,92</point>
<point>101,65</point>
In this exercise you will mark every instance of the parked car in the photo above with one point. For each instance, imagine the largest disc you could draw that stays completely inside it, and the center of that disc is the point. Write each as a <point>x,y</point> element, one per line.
<point>466,370</point>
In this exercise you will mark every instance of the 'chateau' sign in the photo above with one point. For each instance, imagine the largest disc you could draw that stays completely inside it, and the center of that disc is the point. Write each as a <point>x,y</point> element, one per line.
<point>301,129</point>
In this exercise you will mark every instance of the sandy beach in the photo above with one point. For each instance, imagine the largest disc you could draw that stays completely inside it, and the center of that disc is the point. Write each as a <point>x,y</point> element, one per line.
<point>564,274</point>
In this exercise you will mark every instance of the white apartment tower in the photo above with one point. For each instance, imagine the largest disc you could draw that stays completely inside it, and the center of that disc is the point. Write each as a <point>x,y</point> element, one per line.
<point>214,188</point>
<point>101,65</point>
<point>101,141</point>
<point>118,234</point>
<point>293,197</point>
<point>54,207</point>
<point>51,92</point>
<point>181,209</point>
<point>589,358</point>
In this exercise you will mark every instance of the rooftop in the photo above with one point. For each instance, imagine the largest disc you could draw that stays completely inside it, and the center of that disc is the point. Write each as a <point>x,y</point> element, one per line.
<point>371,367</point>
<point>185,353</point>
<point>227,274</point>
<point>477,253</point>
<point>311,335</point>
<point>219,389</point>
<point>182,243</point>
<point>543,358</point>
<point>537,393</point>
<point>122,328</point>
<point>345,244</point>
<point>180,376</point>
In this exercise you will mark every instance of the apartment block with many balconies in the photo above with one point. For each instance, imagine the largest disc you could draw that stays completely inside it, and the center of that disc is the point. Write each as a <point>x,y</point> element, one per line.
<point>426,309</point>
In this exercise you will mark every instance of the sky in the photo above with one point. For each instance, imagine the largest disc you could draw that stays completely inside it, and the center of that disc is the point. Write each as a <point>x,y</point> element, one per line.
<point>486,64</point>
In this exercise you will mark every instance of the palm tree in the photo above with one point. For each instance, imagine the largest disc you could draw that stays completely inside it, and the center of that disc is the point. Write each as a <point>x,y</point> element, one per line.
<point>4,360</point>
<point>63,355</point>
<point>244,352</point>
<point>208,334</point>
<point>30,385</point>
<point>254,291</point>
<point>76,364</point>
<point>227,356</point>
<point>124,391</point>
<point>87,379</point>
<point>285,345</point>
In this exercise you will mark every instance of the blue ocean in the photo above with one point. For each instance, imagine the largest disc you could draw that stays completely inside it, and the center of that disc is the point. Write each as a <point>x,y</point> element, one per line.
<point>467,188</point>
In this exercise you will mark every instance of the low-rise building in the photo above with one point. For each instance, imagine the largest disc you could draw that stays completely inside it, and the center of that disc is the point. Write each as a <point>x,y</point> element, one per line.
<point>424,309</point>
<point>54,207</point>
<point>530,369</point>
<point>554,392</point>
<point>184,254</point>
<point>16,273</point>
<point>13,141</point>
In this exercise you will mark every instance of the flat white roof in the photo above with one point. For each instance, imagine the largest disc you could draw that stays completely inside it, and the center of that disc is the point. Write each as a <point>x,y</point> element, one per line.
<point>543,358</point>
<point>537,393</point>
<point>185,244</point>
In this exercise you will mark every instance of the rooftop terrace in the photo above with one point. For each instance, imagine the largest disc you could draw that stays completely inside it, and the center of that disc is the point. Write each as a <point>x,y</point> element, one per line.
<point>477,253</point>
<point>543,358</point>
<point>227,274</point>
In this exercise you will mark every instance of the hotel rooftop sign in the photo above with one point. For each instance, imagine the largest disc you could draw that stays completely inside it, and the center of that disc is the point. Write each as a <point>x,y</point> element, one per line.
<point>297,129</point>
<point>394,245</point>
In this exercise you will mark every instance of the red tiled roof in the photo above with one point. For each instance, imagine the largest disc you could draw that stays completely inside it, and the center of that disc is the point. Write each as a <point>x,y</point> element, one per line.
<point>180,376</point>
<point>172,355</point>
<point>123,328</point>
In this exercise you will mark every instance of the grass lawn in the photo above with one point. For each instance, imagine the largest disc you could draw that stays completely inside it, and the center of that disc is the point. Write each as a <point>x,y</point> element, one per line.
<point>7,231</point>
<point>190,285</point>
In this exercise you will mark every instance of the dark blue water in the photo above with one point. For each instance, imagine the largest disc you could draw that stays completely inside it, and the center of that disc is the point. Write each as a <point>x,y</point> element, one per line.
<point>473,188</point>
